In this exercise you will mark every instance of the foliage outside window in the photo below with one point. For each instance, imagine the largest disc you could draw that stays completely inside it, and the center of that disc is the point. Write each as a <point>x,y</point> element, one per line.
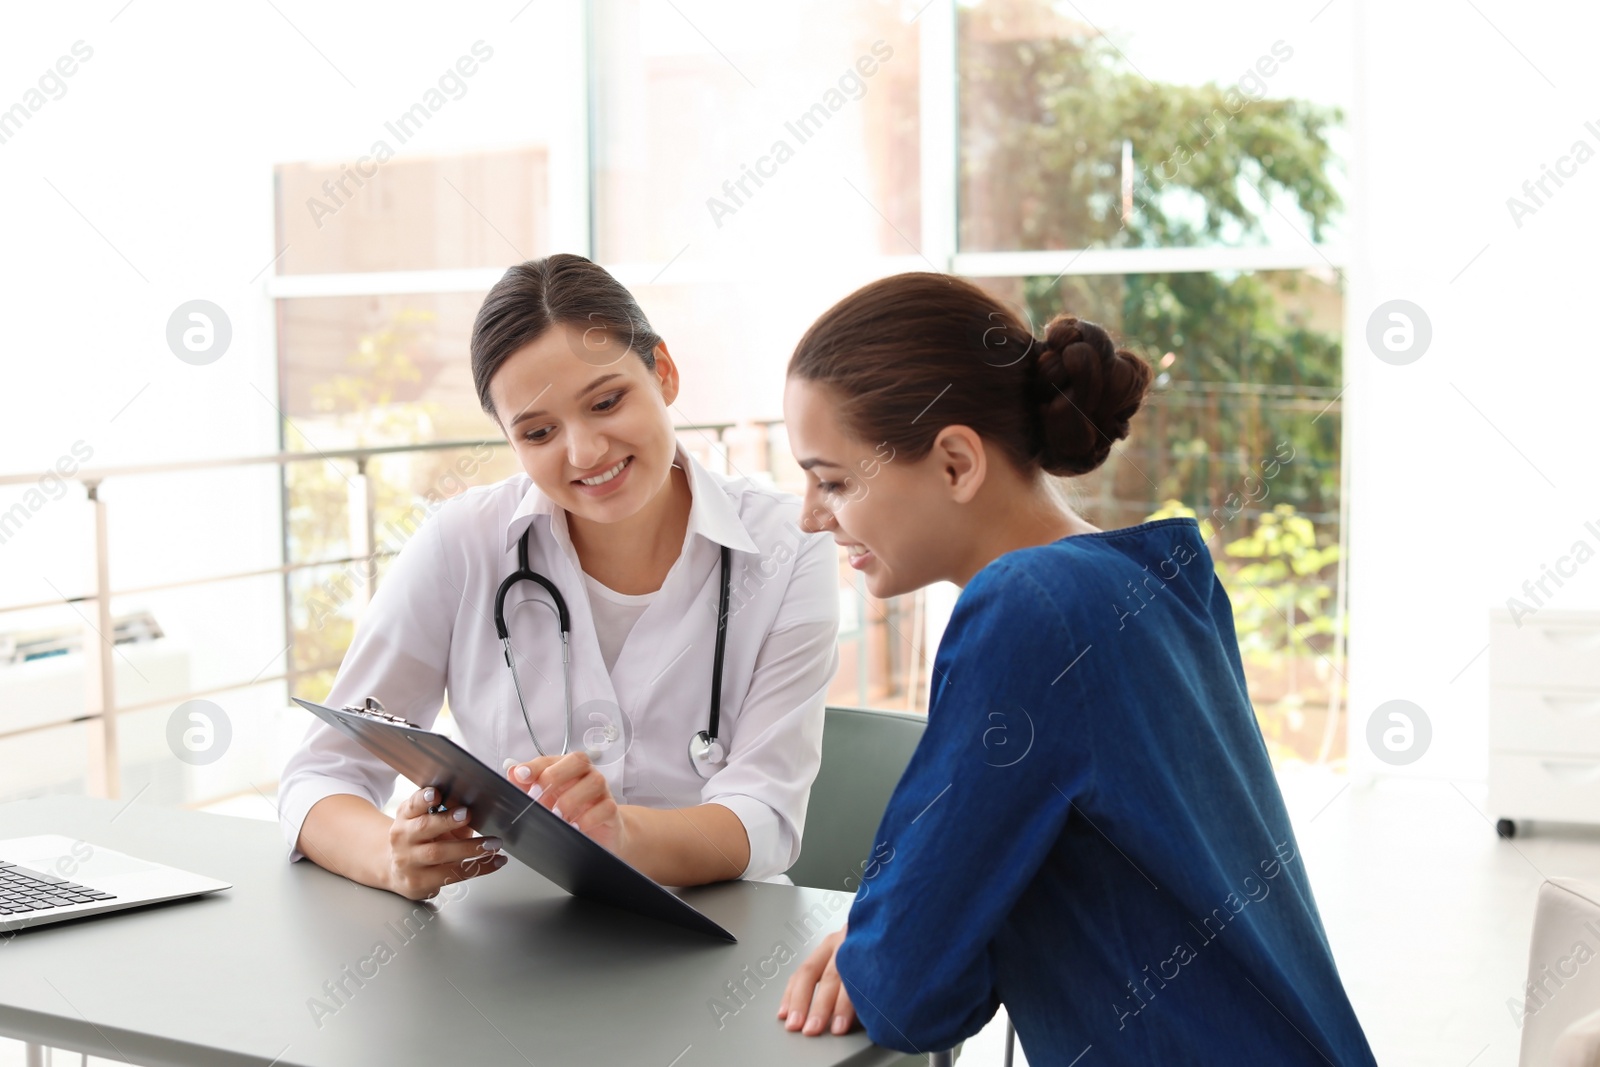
<point>1064,145</point>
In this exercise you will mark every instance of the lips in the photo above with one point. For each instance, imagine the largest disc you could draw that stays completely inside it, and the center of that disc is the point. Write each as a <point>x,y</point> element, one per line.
<point>606,475</point>
<point>859,555</point>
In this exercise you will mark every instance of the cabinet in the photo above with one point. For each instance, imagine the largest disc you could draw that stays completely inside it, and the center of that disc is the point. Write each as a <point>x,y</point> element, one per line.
<point>1544,717</point>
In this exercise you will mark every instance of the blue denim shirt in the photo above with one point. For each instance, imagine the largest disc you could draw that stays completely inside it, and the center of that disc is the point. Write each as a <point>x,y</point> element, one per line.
<point>1090,831</point>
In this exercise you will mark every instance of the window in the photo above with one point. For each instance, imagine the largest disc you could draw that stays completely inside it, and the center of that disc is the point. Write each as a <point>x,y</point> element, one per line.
<point>1148,169</point>
<point>1090,159</point>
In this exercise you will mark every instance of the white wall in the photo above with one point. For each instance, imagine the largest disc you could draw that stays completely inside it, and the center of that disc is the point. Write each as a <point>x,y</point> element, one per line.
<point>1475,465</point>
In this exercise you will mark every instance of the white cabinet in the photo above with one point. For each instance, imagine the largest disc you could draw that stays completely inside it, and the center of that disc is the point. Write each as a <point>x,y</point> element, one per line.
<point>51,691</point>
<point>1544,717</point>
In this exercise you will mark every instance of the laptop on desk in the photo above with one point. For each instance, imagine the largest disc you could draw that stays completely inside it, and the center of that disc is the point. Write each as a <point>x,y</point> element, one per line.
<point>50,878</point>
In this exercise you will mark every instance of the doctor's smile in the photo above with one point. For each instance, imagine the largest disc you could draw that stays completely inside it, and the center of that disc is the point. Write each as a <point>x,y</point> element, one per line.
<point>605,476</point>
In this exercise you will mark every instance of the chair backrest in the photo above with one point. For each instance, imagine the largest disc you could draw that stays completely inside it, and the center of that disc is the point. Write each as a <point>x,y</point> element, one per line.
<point>864,753</point>
<point>1563,988</point>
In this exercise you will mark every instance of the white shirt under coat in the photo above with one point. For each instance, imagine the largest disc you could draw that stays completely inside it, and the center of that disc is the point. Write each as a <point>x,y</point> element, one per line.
<point>429,632</point>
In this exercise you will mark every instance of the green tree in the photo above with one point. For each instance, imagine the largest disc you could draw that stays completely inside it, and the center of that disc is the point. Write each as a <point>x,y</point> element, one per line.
<point>1046,107</point>
<point>1044,119</point>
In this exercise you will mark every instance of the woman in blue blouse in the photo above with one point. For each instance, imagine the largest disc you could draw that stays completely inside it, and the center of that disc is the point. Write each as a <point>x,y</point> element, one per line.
<point>1090,831</point>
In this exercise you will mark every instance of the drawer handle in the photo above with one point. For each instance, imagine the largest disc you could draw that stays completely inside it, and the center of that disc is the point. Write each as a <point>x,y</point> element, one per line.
<point>1572,770</point>
<point>1572,705</point>
<point>1571,635</point>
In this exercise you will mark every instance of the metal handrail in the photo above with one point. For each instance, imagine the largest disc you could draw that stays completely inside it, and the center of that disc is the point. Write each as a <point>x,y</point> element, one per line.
<point>283,458</point>
<point>94,477</point>
<point>101,704</point>
<point>275,458</point>
<point>287,568</point>
<point>39,727</point>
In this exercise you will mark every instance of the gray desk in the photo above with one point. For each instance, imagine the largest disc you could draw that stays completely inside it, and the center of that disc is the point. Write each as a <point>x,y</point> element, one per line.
<point>511,971</point>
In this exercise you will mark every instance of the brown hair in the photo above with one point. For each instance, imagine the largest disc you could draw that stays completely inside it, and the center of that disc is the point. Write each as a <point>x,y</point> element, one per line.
<point>911,354</point>
<point>562,289</point>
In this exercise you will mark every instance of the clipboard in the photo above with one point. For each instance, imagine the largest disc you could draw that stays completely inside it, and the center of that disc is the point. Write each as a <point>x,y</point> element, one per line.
<point>529,831</point>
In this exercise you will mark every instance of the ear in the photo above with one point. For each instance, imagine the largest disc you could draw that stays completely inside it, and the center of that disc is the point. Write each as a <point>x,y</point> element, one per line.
<point>666,373</point>
<point>962,460</point>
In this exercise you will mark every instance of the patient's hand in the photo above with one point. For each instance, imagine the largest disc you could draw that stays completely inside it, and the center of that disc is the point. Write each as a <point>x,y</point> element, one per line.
<point>815,995</point>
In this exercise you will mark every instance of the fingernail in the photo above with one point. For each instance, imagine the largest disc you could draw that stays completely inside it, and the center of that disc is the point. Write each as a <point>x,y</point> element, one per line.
<point>839,1026</point>
<point>489,844</point>
<point>523,773</point>
<point>429,795</point>
<point>814,1021</point>
<point>459,815</point>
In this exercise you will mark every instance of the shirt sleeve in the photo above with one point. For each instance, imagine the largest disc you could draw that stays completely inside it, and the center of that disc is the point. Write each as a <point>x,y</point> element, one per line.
<point>399,654</point>
<point>980,806</point>
<point>775,746</point>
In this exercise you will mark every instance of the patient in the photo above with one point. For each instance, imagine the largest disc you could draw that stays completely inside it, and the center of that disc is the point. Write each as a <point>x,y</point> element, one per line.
<point>1090,832</point>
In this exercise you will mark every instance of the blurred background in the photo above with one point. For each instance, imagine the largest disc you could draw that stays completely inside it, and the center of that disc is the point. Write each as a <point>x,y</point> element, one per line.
<point>246,243</point>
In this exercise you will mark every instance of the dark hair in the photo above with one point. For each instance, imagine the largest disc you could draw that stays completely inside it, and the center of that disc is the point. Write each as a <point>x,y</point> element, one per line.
<point>562,289</point>
<point>911,354</point>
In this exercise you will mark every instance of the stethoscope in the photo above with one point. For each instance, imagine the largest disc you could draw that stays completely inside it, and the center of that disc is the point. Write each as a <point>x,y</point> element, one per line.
<point>706,753</point>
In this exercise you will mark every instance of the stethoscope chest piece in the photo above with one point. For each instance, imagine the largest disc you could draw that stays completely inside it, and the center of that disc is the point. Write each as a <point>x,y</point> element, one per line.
<point>706,754</point>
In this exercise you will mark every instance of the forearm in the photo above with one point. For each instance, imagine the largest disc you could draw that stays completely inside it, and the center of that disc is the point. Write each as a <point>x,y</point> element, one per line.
<point>685,846</point>
<point>345,834</point>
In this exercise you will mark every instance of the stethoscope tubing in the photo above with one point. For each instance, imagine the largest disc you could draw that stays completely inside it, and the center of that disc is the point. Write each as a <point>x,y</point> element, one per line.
<point>558,605</point>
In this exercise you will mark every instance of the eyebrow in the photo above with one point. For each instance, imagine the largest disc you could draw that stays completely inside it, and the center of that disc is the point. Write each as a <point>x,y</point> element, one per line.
<point>591,387</point>
<point>807,464</point>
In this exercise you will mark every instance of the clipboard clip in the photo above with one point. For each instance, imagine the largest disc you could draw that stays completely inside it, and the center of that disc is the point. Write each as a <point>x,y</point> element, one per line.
<point>371,708</point>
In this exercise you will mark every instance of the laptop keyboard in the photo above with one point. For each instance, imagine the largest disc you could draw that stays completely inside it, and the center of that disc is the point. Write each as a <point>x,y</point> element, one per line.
<point>23,890</point>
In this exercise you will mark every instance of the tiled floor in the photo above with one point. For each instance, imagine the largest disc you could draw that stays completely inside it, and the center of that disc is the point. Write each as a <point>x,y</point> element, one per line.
<point>1428,911</point>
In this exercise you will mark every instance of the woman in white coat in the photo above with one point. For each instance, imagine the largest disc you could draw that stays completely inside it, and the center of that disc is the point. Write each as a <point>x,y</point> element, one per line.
<point>633,532</point>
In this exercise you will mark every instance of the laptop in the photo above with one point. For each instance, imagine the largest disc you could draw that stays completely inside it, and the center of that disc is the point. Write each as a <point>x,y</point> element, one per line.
<point>50,878</point>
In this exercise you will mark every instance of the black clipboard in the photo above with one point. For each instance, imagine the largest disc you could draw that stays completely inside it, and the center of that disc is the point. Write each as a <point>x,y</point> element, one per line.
<point>529,831</point>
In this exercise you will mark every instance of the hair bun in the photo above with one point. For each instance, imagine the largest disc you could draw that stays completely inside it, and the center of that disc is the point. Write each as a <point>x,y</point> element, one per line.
<point>1083,393</point>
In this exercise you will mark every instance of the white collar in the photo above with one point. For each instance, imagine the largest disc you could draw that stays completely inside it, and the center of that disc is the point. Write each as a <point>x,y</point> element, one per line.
<point>712,513</point>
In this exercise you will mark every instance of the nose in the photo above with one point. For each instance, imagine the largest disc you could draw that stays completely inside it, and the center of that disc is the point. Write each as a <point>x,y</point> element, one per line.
<point>585,447</point>
<point>814,518</point>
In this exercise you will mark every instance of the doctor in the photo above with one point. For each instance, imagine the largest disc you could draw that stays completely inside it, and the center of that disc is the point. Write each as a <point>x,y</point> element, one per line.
<point>632,533</point>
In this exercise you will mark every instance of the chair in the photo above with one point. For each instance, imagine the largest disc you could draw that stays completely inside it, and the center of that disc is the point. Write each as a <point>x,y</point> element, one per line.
<point>1560,1026</point>
<point>864,753</point>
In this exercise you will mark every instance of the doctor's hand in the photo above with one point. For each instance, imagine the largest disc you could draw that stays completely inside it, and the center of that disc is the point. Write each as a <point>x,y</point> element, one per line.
<point>430,850</point>
<point>576,784</point>
<point>814,1001</point>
